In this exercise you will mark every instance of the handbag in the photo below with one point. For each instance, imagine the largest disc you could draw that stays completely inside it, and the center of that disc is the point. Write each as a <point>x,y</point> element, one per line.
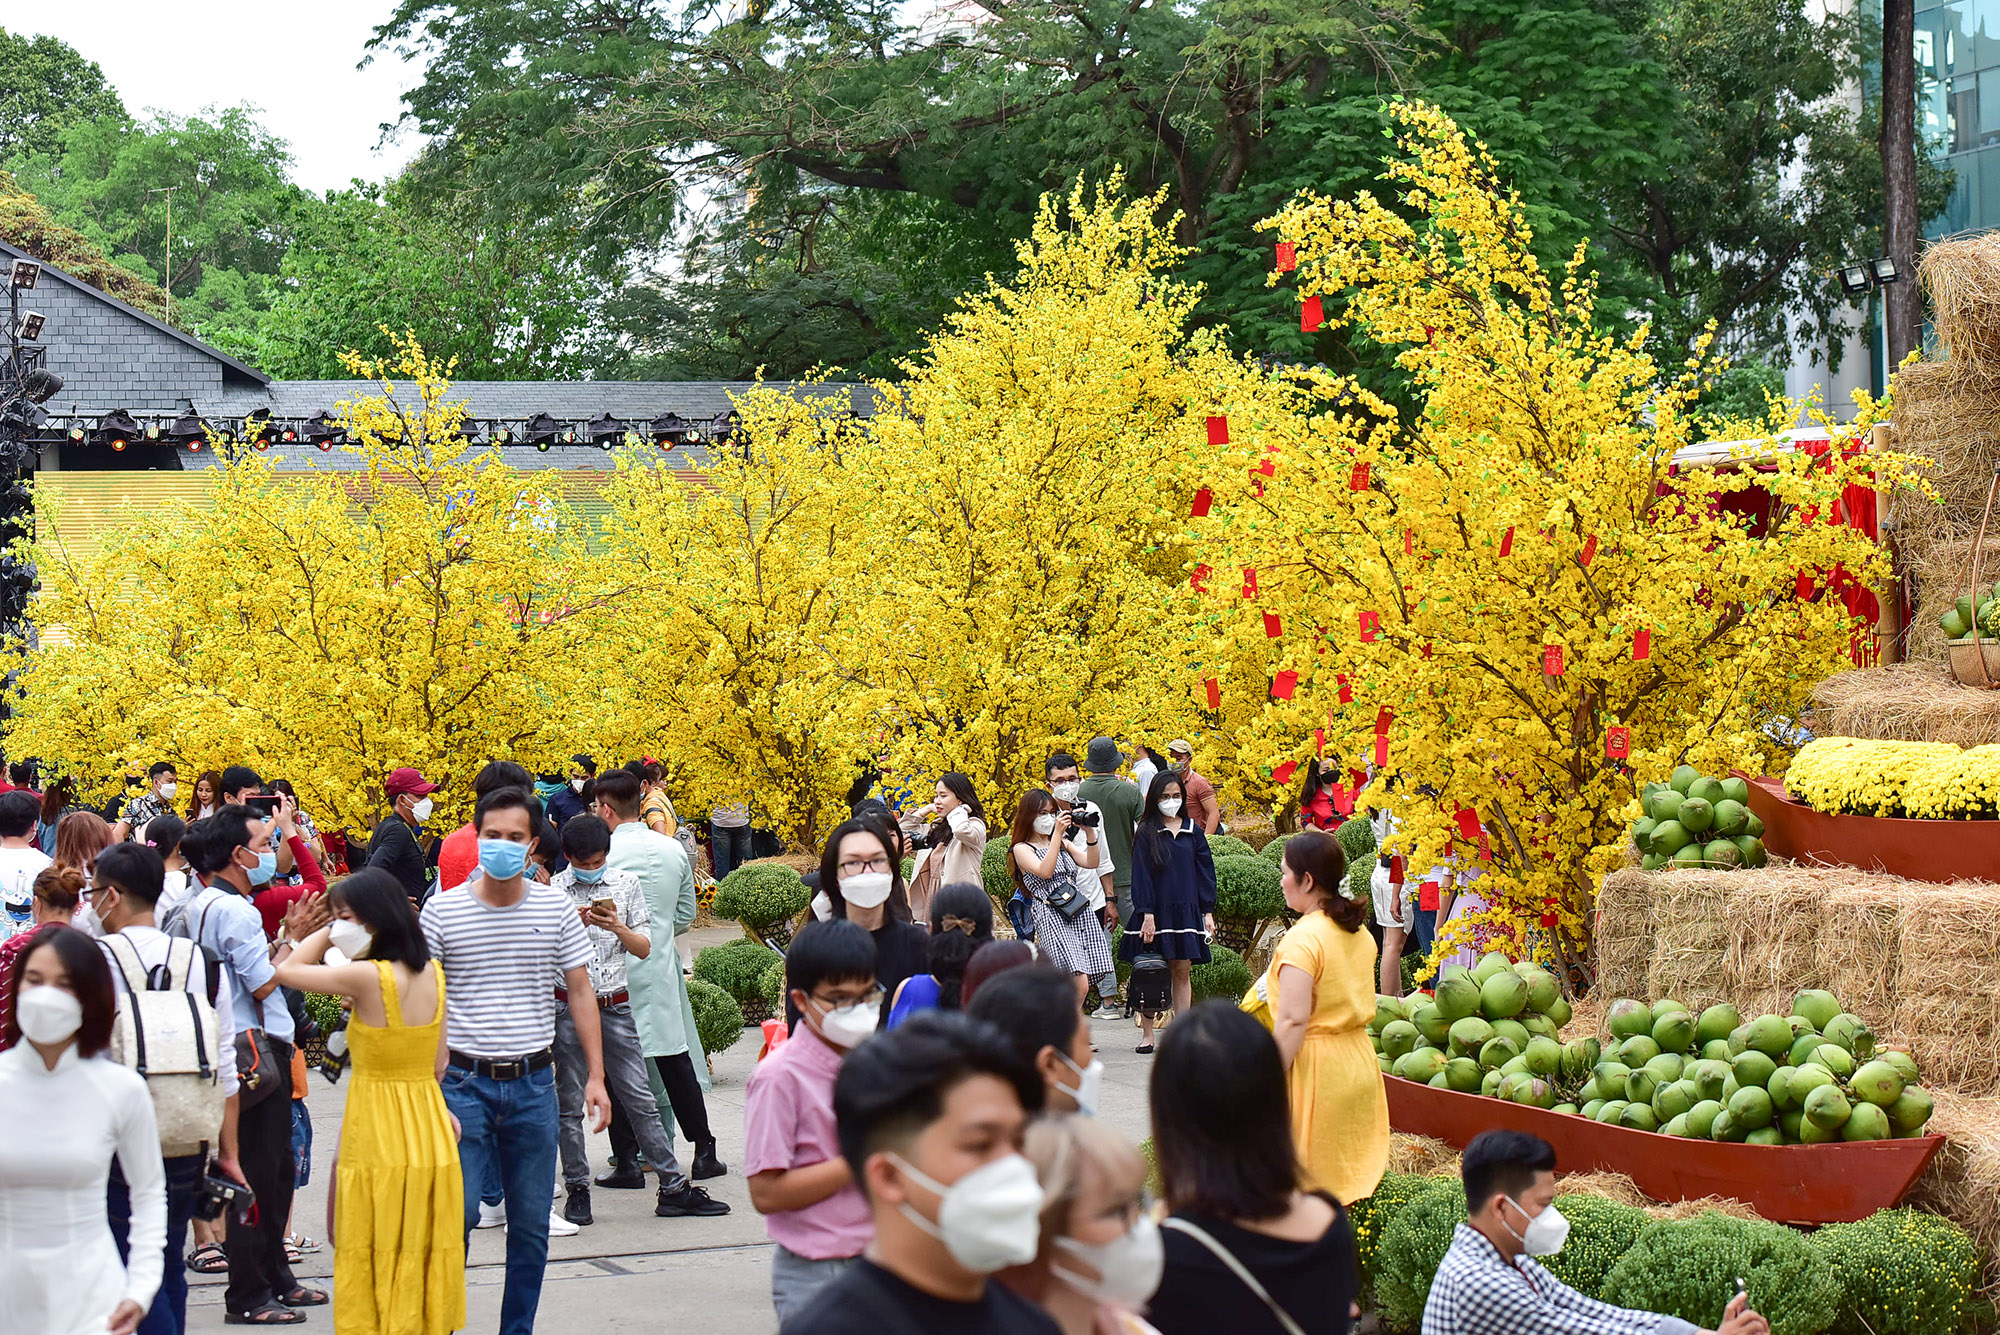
<point>1067,900</point>
<point>258,1075</point>
<point>1241,1271</point>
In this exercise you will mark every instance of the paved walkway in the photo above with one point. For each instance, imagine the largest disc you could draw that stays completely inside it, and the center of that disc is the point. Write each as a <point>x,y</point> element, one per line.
<point>630,1271</point>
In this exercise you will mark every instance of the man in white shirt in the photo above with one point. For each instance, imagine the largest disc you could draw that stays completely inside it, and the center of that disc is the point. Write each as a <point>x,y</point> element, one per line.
<point>1065,783</point>
<point>20,861</point>
<point>128,883</point>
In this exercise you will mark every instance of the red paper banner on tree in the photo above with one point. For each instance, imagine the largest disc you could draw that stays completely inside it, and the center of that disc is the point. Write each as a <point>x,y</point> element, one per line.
<point>1383,719</point>
<point>1804,586</point>
<point>1507,541</point>
<point>1343,799</point>
<point>1468,822</point>
<point>1589,549</point>
<point>1371,627</point>
<point>1319,742</point>
<point>1284,772</point>
<point>1199,579</point>
<point>1346,688</point>
<point>1273,627</point>
<point>1214,689</point>
<point>1288,257</point>
<point>1359,778</point>
<point>1552,659</point>
<point>1249,581</point>
<point>1203,500</point>
<point>1409,541</point>
<point>1311,316</point>
<point>1618,743</point>
<point>1357,480</point>
<point>1218,430</point>
<point>1642,645</point>
<point>1284,684</point>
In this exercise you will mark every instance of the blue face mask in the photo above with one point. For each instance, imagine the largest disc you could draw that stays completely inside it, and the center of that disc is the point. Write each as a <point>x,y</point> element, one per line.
<point>502,859</point>
<point>588,875</point>
<point>266,868</point>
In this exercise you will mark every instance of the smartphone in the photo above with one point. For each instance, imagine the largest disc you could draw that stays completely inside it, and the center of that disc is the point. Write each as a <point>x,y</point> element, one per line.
<point>609,906</point>
<point>262,805</point>
<point>1743,1290</point>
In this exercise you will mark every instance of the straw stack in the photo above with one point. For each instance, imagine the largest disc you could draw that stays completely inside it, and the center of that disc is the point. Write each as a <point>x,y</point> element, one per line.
<point>1909,702</point>
<point>1691,936</point>
<point>1963,1181</point>
<point>1948,989</point>
<point>1774,942</point>
<point>1860,943</point>
<point>1624,934</point>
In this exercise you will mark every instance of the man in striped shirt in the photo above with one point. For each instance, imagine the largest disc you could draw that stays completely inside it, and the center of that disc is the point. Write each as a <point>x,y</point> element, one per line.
<point>504,943</point>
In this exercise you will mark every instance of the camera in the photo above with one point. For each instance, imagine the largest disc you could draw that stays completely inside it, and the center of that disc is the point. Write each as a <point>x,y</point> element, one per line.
<point>1085,820</point>
<point>218,1193</point>
<point>336,1057</point>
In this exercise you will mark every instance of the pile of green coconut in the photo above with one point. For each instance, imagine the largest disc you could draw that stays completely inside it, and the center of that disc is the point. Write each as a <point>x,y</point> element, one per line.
<point>1694,820</point>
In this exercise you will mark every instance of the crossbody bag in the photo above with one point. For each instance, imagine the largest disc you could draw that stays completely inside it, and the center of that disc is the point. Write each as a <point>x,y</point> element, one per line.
<point>1237,1268</point>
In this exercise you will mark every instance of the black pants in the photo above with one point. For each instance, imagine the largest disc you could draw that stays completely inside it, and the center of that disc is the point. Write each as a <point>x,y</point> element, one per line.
<point>690,1109</point>
<point>258,1272</point>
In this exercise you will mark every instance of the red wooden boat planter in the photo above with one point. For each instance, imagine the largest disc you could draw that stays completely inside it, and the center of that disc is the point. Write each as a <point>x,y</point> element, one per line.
<point>1919,850</point>
<point>1793,1184</point>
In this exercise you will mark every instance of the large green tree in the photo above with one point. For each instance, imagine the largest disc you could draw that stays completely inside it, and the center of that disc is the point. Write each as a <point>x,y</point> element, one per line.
<point>46,87</point>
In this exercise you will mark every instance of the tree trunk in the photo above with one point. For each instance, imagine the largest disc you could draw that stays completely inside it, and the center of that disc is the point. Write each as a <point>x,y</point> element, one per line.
<point>1902,304</point>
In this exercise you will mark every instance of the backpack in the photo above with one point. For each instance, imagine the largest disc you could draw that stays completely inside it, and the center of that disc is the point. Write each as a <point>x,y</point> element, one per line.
<point>1150,987</point>
<point>170,1036</point>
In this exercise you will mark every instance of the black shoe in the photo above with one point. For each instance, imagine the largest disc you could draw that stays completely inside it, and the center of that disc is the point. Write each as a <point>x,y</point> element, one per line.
<point>689,1200</point>
<point>577,1208</point>
<point>623,1177</point>
<point>706,1165</point>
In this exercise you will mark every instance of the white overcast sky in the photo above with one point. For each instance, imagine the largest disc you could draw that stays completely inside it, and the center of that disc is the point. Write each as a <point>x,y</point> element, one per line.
<point>293,60</point>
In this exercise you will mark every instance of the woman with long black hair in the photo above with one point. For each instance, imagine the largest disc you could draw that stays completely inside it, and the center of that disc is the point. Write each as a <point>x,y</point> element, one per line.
<point>961,922</point>
<point>861,875</point>
<point>950,849</point>
<point>1048,848</point>
<point>1173,894</point>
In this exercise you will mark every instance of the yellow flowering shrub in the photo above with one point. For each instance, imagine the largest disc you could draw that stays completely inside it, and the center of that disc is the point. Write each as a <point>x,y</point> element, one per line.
<point>1915,780</point>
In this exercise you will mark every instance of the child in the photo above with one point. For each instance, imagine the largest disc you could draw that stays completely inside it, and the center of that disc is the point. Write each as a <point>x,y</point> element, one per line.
<point>798,1180</point>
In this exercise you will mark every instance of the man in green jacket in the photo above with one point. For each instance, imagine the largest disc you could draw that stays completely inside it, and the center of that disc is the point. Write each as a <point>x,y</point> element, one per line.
<point>1121,802</point>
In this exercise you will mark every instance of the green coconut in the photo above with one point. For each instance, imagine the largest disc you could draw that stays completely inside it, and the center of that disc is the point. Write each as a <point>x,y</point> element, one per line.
<point>1684,778</point>
<point>1912,1108</point>
<point>1627,1017</point>
<point>1866,1122</point>
<point>1878,1083</point>
<point>1696,815</point>
<point>1751,1107</point>
<point>1827,1107</point>
<point>1701,1118</point>
<point>1817,1007</point>
<point>1716,1022</point>
<point>1674,1032</point>
<point>1457,996</point>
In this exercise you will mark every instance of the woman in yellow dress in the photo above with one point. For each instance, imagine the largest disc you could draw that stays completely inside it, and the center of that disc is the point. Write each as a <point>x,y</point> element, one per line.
<point>1325,970</point>
<point>398,1200</point>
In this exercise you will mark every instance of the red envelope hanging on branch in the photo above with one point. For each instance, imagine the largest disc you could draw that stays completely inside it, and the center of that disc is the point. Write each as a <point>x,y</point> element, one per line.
<point>1249,581</point>
<point>1357,478</point>
<point>1507,542</point>
<point>1214,689</point>
<point>1468,822</point>
<point>1284,772</point>
<point>1203,501</point>
<point>1371,627</point>
<point>1346,688</point>
<point>1198,581</point>
<point>1273,627</point>
<point>1311,316</point>
<point>1618,743</point>
<point>1284,684</point>
<point>1343,799</point>
<point>1642,645</point>
<point>1288,257</point>
<point>1218,430</point>
<point>1552,659</point>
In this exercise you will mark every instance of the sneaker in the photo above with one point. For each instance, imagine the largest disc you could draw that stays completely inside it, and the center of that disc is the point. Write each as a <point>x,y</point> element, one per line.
<point>1110,1010</point>
<point>492,1216</point>
<point>623,1177</point>
<point>689,1200</point>
<point>577,1208</point>
<point>560,1227</point>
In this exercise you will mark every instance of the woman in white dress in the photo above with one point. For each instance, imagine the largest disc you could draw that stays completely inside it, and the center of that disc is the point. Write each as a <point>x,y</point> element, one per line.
<point>68,1108</point>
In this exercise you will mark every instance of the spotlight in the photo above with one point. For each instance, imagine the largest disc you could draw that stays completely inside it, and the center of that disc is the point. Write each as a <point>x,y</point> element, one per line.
<point>1885,270</point>
<point>605,431</point>
<point>152,431</point>
<point>76,433</point>
<point>259,430</point>
<point>542,445</point>
<point>503,436</point>
<point>541,431</point>
<point>26,273</point>
<point>116,429</point>
<point>40,385</point>
<point>29,327</point>
<point>1854,279</point>
<point>321,430</point>
<point>187,430</point>
<point>724,428</point>
<point>569,436</point>
<point>669,430</point>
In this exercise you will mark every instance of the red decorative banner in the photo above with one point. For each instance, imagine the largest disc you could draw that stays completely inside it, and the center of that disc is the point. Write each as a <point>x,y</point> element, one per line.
<point>1273,627</point>
<point>1642,645</point>
<point>1618,743</point>
<point>1311,316</point>
<point>1381,750</point>
<point>1507,541</point>
<point>1409,541</point>
<point>1383,718</point>
<point>1468,822</point>
<point>1203,500</point>
<point>1249,581</point>
<point>1288,257</point>
<point>1358,479</point>
<point>1319,742</point>
<point>1218,430</point>
<point>1371,627</point>
<point>1266,467</point>
<point>1284,772</point>
<point>1284,684</point>
<point>1359,778</point>
<point>1804,585</point>
<point>1343,799</point>
<point>1589,549</point>
<point>1199,579</point>
<point>1552,664</point>
<point>1346,688</point>
<point>1214,689</point>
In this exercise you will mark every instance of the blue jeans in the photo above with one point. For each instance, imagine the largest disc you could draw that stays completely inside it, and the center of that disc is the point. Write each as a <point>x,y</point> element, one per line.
<point>511,1123</point>
<point>168,1315</point>
<point>728,847</point>
<point>1426,931</point>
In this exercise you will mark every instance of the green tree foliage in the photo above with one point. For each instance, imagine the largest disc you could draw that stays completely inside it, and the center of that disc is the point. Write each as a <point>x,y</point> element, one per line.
<point>46,87</point>
<point>25,223</point>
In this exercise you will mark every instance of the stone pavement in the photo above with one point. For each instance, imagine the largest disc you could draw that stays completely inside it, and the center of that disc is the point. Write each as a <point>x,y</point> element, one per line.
<point>630,1271</point>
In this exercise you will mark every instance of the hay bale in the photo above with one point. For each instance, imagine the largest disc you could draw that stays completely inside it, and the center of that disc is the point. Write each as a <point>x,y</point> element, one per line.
<point>1860,944</point>
<point>1907,702</point>
<point>1774,940</point>
<point>1936,553</point>
<point>1963,1181</point>
<point>1420,1156</point>
<point>1947,995</point>
<point>1952,417</point>
<point>1611,1186</point>
<point>1624,931</point>
<point>1693,1209</point>
<point>1961,276</point>
<point>1691,936</point>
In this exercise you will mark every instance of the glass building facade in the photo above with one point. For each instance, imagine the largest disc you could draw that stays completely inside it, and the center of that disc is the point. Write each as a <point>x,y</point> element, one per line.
<point>1958,106</point>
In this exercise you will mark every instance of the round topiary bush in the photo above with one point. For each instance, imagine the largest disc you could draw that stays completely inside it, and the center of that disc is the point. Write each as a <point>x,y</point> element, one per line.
<point>1225,976</point>
<point>1248,894</point>
<point>1370,1217</point>
<point>738,968</point>
<point>1360,880</point>
<point>764,897</point>
<point>1901,1270</point>
<point>993,873</point>
<point>1601,1230</point>
<point>1413,1246</point>
<point>772,985</point>
<point>1357,839</point>
<point>1689,1270</point>
<point>1229,846</point>
<point>1275,850</point>
<point>718,1020</point>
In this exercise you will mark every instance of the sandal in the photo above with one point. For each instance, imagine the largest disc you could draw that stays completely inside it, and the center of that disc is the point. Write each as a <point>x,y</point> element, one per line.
<point>301,1241</point>
<point>270,1314</point>
<point>303,1297</point>
<point>208,1259</point>
<point>1144,1049</point>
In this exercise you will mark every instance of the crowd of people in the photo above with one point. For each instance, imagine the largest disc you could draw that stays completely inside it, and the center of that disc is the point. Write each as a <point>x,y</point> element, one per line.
<point>920,1139</point>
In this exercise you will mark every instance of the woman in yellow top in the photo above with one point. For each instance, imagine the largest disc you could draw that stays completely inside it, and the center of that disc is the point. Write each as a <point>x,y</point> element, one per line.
<point>398,1200</point>
<point>1325,969</point>
<point>654,808</point>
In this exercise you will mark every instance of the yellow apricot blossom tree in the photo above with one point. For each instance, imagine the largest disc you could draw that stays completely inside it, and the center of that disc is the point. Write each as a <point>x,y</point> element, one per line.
<point>324,625</point>
<point>1511,601</point>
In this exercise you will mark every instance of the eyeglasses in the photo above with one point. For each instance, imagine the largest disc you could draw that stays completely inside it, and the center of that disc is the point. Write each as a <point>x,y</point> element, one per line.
<point>873,996</point>
<point>874,864</point>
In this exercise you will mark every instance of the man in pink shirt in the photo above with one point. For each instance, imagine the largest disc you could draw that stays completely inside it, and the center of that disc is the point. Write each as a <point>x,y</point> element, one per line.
<point>798,1180</point>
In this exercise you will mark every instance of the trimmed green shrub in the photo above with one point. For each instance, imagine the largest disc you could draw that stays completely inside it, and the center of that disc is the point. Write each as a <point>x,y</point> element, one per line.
<point>1370,1217</point>
<point>772,985</point>
<point>1225,975</point>
<point>325,1010</point>
<point>1689,1270</point>
<point>1357,839</point>
<point>909,869</point>
<point>1601,1230</point>
<point>993,873</point>
<point>1275,850</point>
<point>1901,1270</point>
<point>1413,1245</point>
<point>1248,894</point>
<point>761,895</point>
<point>1229,846</point>
<point>738,968</point>
<point>1360,880</point>
<point>718,1020</point>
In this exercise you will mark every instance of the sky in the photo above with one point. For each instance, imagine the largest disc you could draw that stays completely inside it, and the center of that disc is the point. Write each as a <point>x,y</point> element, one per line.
<point>293,60</point>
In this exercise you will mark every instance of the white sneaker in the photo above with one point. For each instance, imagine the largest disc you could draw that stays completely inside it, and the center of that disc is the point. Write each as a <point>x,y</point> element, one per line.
<point>492,1216</point>
<point>560,1227</point>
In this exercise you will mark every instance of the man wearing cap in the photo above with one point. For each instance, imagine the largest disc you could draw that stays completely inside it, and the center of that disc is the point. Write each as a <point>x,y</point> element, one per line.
<point>1202,808</point>
<point>1121,802</point>
<point>394,845</point>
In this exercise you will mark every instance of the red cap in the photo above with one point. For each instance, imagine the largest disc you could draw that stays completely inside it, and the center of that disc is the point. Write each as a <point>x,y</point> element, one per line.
<point>407,780</point>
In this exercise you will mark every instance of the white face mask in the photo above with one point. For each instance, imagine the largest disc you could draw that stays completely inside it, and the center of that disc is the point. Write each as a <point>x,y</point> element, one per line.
<point>48,1015</point>
<point>1546,1233</point>
<point>868,890</point>
<point>350,938</point>
<point>847,1026</point>
<point>1066,792</point>
<point>1089,1083</point>
<point>421,812</point>
<point>1045,825</point>
<point>168,789</point>
<point>576,786</point>
<point>1129,1268</point>
<point>989,1219</point>
<point>822,907</point>
<point>1170,806</point>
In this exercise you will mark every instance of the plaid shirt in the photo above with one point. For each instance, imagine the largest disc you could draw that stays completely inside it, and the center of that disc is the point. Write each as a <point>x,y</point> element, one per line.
<point>607,952</point>
<point>1477,1292</point>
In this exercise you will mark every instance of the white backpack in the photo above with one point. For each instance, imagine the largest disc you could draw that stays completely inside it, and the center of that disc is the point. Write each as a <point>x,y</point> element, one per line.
<point>170,1036</point>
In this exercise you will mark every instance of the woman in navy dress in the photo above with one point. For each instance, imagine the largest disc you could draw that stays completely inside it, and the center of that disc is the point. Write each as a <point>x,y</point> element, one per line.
<point>1173,893</point>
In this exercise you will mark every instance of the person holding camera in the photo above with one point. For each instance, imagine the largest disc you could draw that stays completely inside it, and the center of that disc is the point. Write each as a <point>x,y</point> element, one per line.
<point>1066,786</point>
<point>1048,851</point>
<point>950,849</point>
